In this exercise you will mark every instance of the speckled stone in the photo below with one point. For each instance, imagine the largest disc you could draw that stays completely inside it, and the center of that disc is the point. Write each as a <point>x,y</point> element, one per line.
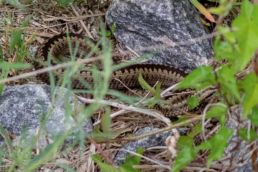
<point>151,141</point>
<point>238,150</point>
<point>25,106</point>
<point>157,27</point>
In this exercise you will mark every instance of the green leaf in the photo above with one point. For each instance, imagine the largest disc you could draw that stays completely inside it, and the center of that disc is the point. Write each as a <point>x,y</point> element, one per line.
<point>103,166</point>
<point>223,8</point>
<point>15,3</point>
<point>185,155</point>
<point>203,10</point>
<point>225,44</point>
<point>216,144</point>
<point>156,99</point>
<point>248,82</point>
<point>1,54</point>
<point>26,21</point>
<point>127,166</point>
<point>124,97</point>
<point>113,27</point>
<point>7,140</point>
<point>154,91</point>
<point>16,40</point>
<point>219,112</point>
<point>145,85</point>
<point>2,86</point>
<point>246,26</point>
<point>248,135</point>
<point>106,121</point>
<point>228,83</point>
<point>193,102</point>
<point>47,154</point>
<point>130,161</point>
<point>195,130</point>
<point>250,87</point>
<point>198,78</point>
<point>250,100</point>
<point>64,3</point>
<point>8,66</point>
<point>106,61</point>
<point>254,116</point>
<point>99,136</point>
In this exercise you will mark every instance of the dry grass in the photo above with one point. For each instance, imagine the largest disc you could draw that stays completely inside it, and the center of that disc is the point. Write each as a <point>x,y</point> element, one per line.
<point>48,20</point>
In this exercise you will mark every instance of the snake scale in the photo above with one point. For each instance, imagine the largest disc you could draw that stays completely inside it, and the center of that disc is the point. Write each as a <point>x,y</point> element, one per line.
<point>126,77</point>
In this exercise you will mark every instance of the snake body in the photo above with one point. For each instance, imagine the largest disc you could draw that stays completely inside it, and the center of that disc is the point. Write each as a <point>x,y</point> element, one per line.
<point>127,77</point>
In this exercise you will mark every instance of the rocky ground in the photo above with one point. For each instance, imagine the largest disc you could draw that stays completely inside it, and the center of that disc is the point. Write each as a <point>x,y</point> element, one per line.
<point>169,32</point>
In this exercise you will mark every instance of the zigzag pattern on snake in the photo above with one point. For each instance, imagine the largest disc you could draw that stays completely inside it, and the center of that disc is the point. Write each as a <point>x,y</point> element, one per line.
<point>59,48</point>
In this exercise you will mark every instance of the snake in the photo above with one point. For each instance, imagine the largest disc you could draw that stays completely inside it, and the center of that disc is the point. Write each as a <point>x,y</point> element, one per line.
<point>59,47</point>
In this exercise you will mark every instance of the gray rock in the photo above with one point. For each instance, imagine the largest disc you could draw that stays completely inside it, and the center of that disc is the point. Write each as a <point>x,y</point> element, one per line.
<point>151,141</point>
<point>237,156</point>
<point>26,106</point>
<point>245,168</point>
<point>163,28</point>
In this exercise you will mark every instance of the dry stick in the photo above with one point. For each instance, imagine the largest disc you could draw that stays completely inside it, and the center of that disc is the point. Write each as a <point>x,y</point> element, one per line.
<point>113,115</point>
<point>146,167</point>
<point>169,128</point>
<point>132,51</point>
<point>129,89</point>
<point>183,123</point>
<point>191,168</point>
<point>173,87</point>
<point>204,116</point>
<point>73,19</point>
<point>90,162</point>
<point>128,108</point>
<point>48,69</point>
<point>120,112</point>
<point>212,131</point>
<point>82,23</point>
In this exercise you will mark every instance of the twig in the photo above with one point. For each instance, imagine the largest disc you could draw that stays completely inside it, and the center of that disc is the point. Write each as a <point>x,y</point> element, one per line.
<point>73,19</point>
<point>48,69</point>
<point>115,114</point>
<point>145,167</point>
<point>183,123</point>
<point>132,51</point>
<point>129,89</point>
<point>128,108</point>
<point>204,116</point>
<point>200,169</point>
<point>212,131</point>
<point>173,87</point>
<point>82,23</point>
<point>120,112</point>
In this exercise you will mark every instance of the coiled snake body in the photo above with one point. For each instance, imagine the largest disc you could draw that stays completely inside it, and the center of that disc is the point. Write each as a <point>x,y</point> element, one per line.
<point>59,47</point>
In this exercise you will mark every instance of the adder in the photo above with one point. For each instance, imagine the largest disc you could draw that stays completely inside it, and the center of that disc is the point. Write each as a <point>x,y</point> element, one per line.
<point>58,47</point>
